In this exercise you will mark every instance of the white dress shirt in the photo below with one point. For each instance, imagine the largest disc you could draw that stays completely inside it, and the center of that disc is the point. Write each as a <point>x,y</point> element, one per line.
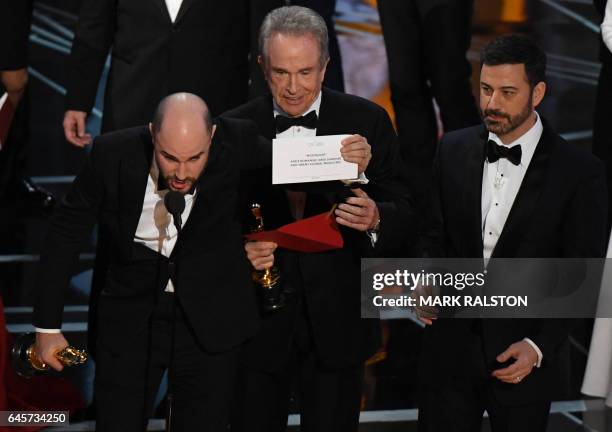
<point>173,8</point>
<point>501,181</point>
<point>155,228</point>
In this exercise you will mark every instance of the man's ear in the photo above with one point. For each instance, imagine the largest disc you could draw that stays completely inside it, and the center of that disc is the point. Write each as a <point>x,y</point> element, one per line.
<point>324,69</point>
<point>538,93</point>
<point>212,131</point>
<point>151,128</point>
<point>262,64</point>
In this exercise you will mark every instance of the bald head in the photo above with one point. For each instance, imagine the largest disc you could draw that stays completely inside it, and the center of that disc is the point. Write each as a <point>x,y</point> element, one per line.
<point>185,109</point>
<point>182,131</point>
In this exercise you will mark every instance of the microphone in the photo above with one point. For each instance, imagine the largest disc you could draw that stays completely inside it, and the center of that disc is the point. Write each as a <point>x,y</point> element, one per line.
<point>175,204</point>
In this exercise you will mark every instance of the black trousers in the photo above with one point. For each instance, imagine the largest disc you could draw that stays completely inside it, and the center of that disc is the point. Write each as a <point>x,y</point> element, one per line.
<point>127,382</point>
<point>13,156</point>
<point>458,405</point>
<point>426,43</point>
<point>329,398</point>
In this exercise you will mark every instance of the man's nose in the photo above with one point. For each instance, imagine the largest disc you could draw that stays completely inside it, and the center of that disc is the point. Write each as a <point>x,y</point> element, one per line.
<point>181,172</point>
<point>493,103</point>
<point>292,84</point>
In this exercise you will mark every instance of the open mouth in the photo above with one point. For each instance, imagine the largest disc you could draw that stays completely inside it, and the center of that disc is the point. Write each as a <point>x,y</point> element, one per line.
<point>293,101</point>
<point>180,185</point>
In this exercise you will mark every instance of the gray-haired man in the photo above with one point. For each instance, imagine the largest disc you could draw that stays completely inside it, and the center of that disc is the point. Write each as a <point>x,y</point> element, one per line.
<point>319,337</point>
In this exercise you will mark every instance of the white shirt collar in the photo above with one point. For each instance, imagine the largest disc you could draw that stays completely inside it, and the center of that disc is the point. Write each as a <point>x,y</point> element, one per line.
<point>313,107</point>
<point>528,141</point>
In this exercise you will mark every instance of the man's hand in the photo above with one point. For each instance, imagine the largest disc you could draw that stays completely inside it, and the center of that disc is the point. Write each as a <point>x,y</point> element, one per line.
<point>356,149</point>
<point>74,128</point>
<point>47,344</point>
<point>261,254</point>
<point>15,83</point>
<point>426,314</point>
<point>526,358</point>
<point>359,212</point>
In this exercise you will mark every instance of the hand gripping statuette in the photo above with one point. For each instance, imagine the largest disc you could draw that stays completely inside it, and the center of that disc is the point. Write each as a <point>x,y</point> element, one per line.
<point>269,280</point>
<point>27,364</point>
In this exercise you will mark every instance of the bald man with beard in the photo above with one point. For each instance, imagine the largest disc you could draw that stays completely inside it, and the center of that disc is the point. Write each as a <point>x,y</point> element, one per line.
<point>184,300</point>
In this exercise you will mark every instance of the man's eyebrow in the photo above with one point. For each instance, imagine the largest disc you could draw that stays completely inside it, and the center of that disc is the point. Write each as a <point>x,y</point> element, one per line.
<point>197,155</point>
<point>168,155</point>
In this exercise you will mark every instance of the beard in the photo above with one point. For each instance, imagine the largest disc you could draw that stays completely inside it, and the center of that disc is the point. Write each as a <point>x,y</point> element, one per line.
<point>508,123</point>
<point>190,181</point>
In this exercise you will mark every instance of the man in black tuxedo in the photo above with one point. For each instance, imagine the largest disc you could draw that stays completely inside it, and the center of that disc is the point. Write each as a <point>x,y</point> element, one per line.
<point>318,337</point>
<point>181,299</point>
<point>14,32</point>
<point>512,188</point>
<point>159,47</point>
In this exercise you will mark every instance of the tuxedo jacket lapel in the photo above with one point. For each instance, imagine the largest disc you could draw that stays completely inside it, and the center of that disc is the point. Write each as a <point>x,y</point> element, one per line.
<point>527,197</point>
<point>163,9</point>
<point>326,124</point>
<point>134,174</point>
<point>473,196</point>
<point>263,116</point>
<point>185,5</point>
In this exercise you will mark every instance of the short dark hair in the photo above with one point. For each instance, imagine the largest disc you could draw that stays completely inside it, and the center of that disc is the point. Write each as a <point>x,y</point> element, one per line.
<point>516,49</point>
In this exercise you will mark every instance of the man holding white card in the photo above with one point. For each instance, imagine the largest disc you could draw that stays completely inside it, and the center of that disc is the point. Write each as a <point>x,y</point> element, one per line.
<point>318,336</point>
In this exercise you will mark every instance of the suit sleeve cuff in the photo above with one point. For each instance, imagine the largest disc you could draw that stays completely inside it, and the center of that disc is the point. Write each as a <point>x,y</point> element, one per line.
<point>537,350</point>
<point>42,330</point>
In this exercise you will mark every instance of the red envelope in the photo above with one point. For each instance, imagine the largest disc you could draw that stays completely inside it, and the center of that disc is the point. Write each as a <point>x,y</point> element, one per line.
<point>6,117</point>
<point>314,234</point>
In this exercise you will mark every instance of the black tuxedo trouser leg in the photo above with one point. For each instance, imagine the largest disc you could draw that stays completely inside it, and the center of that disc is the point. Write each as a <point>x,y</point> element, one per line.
<point>458,405</point>
<point>127,381</point>
<point>14,153</point>
<point>426,43</point>
<point>329,399</point>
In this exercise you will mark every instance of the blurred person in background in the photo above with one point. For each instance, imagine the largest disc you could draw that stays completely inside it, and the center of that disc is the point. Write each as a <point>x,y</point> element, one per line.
<point>14,32</point>
<point>157,48</point>
<point>426,43</point>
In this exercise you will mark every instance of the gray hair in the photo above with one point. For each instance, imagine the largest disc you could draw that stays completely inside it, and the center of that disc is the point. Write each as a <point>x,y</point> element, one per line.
<point>295,21</point>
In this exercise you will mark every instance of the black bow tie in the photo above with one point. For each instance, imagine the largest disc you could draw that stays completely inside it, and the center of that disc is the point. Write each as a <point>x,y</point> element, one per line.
<point>495,152</point>
<point>283,123</point>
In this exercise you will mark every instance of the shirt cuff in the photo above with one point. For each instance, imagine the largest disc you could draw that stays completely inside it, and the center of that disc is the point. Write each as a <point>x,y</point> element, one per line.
<point>537,350</point>
<point>42,330</point>
<point>362,179</point>
<point>373,237</point>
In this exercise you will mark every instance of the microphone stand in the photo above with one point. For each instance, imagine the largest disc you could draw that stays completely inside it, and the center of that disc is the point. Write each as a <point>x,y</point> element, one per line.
<point>175,204</point>
<point>172,271</point>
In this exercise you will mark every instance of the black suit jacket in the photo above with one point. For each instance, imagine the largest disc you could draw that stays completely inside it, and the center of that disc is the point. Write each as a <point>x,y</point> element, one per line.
<point>152,57</point>
<point>211,272</point>
<point>14,32</point>
<point>330,281</point>
<point>559,212</point>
